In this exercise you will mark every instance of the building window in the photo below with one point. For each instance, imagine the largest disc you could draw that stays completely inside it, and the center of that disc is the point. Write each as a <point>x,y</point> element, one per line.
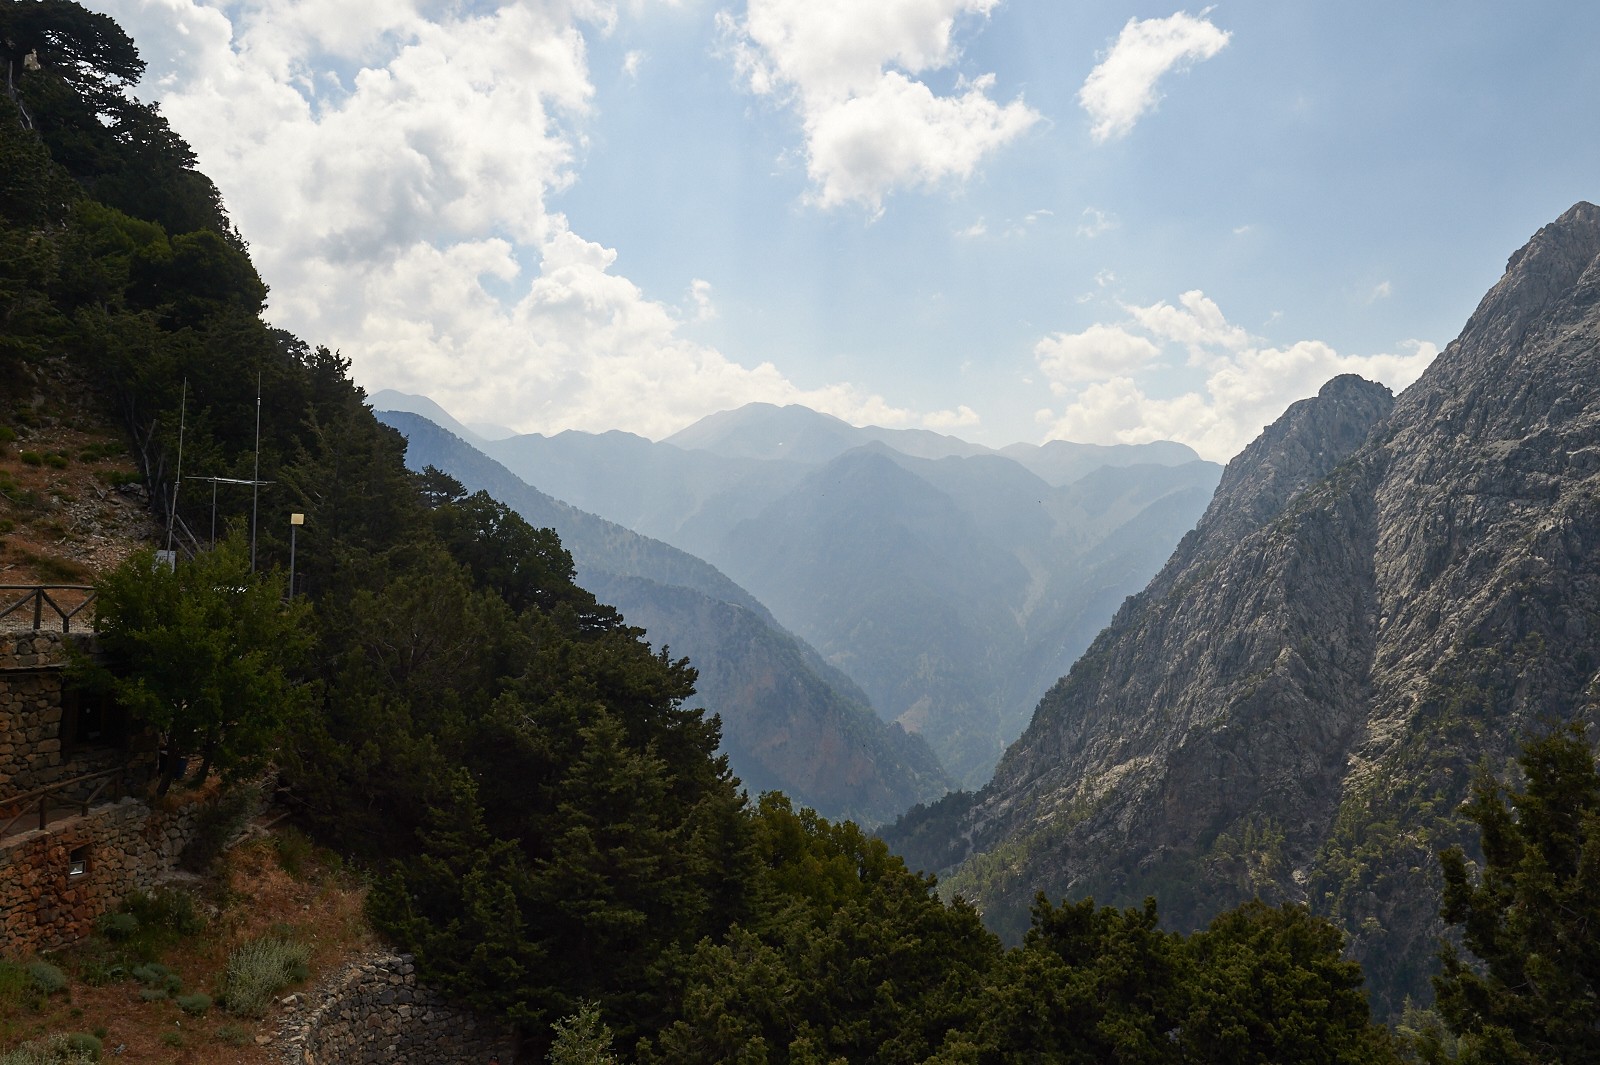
<point>77,862</point>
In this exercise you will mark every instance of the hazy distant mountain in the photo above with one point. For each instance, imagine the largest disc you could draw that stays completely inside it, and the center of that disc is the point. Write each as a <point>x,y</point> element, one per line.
<point>1386,597</point>
<point>952,582</point>
<point>790,721</point>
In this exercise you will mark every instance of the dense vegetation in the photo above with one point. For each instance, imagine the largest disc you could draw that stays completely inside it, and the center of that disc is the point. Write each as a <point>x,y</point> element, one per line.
<point>550,830</point>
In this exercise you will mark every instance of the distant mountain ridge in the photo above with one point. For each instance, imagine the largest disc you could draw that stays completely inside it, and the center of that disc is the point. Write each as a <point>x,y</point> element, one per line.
<point>952,582</point>
<point>790,721</point>
<point>1385,596</point>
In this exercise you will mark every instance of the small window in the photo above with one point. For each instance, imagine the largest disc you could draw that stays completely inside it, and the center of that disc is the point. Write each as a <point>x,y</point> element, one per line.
<point>77,862</point>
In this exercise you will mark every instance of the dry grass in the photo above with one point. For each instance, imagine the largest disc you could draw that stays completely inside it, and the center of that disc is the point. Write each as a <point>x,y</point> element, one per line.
<point>251,895</point>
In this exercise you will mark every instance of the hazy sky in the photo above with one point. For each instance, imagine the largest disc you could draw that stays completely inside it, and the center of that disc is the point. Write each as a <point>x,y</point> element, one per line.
<point>1007,219</point>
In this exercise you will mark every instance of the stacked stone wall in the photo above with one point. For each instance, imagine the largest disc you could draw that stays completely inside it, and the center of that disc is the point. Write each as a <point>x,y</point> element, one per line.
<point>30,710</point>
<point>373,1013</point>
<point>123,846</point>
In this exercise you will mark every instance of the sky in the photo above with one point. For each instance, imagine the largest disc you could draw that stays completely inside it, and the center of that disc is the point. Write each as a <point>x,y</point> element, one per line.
<point>1009,220</point>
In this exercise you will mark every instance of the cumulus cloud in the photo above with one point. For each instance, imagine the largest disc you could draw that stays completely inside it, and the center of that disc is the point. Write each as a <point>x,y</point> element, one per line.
<point>1103,373</point>
<point>850,71</point>
<point>1099,352</point>
<point>391,165</point>
<point>1122,88</point>
<point>963,417</point>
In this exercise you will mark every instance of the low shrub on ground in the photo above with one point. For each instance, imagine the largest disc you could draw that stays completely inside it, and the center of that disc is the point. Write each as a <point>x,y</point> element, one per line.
<point>47,977</point>
<point>57,1049</point>
<point>258,970</point>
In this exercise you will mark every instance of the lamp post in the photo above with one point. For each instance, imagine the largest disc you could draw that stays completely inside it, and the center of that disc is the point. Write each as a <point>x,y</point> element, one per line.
<point>295,521</point>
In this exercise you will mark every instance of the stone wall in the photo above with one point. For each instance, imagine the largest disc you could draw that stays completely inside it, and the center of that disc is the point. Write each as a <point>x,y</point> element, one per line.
<point>373,1013</point>
<point>30,710</point>
<point>33,697</point>
<point>56,881</point>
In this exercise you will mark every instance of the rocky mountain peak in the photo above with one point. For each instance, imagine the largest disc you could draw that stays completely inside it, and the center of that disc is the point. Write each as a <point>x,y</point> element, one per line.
<point>1384,596</point>
<point>1299,449</point>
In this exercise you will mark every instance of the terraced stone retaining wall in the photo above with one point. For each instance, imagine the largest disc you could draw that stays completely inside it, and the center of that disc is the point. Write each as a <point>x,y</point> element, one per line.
<point>373,1013</point>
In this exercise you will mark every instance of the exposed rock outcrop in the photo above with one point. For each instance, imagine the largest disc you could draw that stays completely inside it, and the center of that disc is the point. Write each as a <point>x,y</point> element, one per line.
<point>1383,595</point>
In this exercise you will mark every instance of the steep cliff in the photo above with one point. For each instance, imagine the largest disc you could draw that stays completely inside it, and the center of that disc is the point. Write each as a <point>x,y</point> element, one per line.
<point>1383,595</point>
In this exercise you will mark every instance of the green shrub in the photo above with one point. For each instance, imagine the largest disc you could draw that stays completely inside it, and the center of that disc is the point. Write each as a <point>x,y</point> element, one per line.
<point>84,1045</point>
<point>167,909</point>
<point>233,1035</point>
<point>7,434</point>
<point>47,977</point>
<point>218,823</point>
<point>153,994</point>
<point>117,927</point>
<point>195,1004</point>
<point>31,458</point>
<point>294,851</point>
<point>258,970</point>
<point>56,460</point>
<point>172,1039</point>
<point>156,976</point>
<point>57,1049</point>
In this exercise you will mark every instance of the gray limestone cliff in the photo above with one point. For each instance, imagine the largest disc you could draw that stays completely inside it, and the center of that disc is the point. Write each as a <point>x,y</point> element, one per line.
<point>1384,596</point>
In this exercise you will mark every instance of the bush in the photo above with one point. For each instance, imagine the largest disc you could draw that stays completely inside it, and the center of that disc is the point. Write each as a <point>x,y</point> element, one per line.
<point>233,1035</point>
<point>31,458</point>
<point>117,927</point>
<point>258,970</point>
<point>216,825</point>
<point>152,994</point>
<point>56,461</point>
<point>84,1045</point>
<point>172,1039</point>
<point>56,1050</point>
<point>158,977</point>
<point>167,909</point>
<point>294,851</point>
<point>195,1004</point>
<point>47,977</point>
<point>18,987</point>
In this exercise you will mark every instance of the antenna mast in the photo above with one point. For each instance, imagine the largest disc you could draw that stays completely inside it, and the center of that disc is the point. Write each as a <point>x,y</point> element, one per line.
<point>177,481</point>
<point>255,478</point>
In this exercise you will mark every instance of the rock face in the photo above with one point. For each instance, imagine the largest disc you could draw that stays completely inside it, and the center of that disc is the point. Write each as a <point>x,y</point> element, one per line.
<point>1383,596</point>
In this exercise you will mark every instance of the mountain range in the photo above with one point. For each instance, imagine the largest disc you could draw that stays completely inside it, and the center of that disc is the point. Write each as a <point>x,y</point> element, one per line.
<point>951,582</point>
<point>1385,598</point>
<point>790,722</point>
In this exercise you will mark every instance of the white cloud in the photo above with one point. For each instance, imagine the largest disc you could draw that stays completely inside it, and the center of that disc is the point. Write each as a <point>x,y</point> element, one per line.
<point>1381,291</point>
<point>963,417</point>
<point>1095,222</point>
<point>974,231</point>
<point>631,63</point>
<point>850,71</point>
<point>1099,352</point>
<point>391,163</point>
<point>1248,383</point>
<point>700,293</point>
<point>1123,86</point>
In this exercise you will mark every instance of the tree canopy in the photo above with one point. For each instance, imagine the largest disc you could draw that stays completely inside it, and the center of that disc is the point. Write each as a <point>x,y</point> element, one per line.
<point>1528,913</point>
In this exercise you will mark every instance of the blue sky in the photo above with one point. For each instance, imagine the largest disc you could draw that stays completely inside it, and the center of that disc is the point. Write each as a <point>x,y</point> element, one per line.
<point>1008,220</point>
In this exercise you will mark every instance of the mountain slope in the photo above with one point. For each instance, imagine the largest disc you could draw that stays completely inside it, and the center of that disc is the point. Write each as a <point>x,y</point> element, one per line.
<point>1002,566</point>
<point>790,721</point>
<point>1378,600</point>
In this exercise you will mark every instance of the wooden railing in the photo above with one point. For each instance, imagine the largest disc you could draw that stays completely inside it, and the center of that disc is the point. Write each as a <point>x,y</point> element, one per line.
<point>67,602</point>
<point>40,798</point>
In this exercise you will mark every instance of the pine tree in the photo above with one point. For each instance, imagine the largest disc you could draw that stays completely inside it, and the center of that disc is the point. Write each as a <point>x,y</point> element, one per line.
<point>1529,914</point>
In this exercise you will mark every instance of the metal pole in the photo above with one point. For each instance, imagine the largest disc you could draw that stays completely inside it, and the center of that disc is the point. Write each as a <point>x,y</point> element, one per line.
<point>172,508</point>
<point>255,488</point>
<point>295,521</point>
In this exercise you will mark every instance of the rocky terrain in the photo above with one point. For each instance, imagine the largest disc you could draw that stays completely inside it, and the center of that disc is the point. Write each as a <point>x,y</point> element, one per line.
<point>1384,598</point>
